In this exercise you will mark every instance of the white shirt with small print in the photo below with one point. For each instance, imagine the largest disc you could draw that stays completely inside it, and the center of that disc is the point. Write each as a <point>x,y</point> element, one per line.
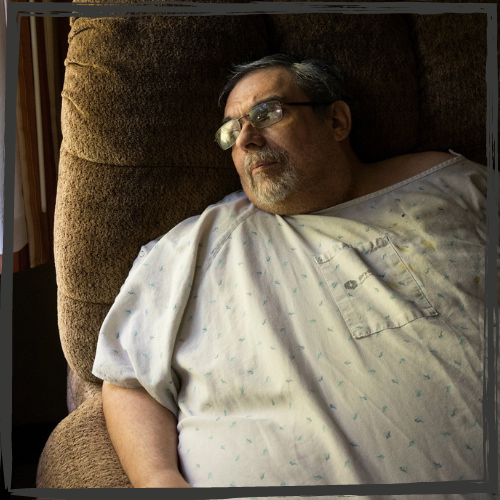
<point>340,347</point>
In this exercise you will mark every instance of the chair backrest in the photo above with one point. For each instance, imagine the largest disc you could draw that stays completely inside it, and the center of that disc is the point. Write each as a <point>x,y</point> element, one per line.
<point>140,113</point>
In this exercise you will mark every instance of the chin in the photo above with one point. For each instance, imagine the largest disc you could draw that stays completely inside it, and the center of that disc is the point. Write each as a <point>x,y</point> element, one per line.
<point>273,195</point>
<point>278,208</point>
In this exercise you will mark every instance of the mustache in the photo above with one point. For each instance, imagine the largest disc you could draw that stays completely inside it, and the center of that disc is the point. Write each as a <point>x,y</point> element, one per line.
<point>264,154</point>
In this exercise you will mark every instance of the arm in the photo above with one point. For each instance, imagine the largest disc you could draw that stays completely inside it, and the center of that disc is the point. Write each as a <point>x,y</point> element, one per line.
<point>144,435</point>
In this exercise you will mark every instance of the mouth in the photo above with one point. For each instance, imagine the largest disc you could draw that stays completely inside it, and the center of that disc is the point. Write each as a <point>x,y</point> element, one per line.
<point>260,166</point>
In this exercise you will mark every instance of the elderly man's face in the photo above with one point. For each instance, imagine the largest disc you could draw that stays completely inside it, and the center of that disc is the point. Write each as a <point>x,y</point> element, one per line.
<point>292,159</point>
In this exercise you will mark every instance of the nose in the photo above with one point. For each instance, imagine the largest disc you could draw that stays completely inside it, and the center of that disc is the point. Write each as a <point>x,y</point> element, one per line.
<point>249,136</point>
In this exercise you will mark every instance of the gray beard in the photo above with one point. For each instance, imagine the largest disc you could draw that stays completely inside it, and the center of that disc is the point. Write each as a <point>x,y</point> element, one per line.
<point>274,188</point>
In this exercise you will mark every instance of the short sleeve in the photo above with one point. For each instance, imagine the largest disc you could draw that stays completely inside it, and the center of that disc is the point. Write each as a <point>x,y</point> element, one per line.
<point>137,341</point>
<point>138,335</point>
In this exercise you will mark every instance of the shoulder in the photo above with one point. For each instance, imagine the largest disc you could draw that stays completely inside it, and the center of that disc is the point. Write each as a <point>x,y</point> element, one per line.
<point>420,162</point>
<point>416,163</point>
<point>193,237</point>
<point>215,222</point>
<point>222,214</point>
<point>389,172</point>
<point>401,168</point>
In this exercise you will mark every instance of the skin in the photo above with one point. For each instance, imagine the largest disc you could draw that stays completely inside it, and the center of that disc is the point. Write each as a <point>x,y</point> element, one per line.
<point>318,149</point>
<point>144,435</point>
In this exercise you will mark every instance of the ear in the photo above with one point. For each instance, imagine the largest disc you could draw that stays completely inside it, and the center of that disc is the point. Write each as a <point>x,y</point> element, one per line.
<point>339,115</point>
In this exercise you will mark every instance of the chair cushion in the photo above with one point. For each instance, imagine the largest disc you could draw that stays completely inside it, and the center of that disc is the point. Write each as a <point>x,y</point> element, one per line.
<point>142,91</point>
<point>79,453</point>
<point>79,390</point>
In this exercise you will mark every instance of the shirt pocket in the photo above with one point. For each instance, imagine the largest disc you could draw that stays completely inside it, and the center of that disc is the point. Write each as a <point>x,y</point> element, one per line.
<point>372,287</point>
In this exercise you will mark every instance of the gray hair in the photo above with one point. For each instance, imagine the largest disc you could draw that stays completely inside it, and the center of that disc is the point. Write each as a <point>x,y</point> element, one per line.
<point>319,80</point>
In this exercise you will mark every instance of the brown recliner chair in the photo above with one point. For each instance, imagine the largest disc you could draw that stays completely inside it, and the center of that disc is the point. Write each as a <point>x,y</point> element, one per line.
<point>138,153</point>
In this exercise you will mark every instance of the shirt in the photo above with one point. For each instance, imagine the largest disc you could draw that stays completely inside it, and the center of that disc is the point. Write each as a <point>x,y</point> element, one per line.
<point>340,347</point>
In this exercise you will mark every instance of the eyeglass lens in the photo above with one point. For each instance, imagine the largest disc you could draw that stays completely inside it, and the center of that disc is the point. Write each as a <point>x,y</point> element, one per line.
<point>261,116</point>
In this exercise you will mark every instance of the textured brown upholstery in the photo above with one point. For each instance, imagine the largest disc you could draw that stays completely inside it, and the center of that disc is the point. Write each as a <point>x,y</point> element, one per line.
<point>79,390</point>
<point>138,154</point>
<point>81,452</point>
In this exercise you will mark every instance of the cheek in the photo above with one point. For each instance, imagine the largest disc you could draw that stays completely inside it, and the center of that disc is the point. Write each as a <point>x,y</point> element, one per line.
<point>239,162</point>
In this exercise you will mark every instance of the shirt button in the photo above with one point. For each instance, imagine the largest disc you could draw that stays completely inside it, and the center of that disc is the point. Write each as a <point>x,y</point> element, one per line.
<point>142,253</point>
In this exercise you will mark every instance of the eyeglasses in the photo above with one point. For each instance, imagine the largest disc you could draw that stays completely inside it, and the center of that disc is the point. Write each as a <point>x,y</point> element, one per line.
<point>262,115</point>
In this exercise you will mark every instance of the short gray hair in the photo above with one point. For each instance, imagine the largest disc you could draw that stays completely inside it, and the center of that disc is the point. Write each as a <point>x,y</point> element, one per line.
<point>320,80</point>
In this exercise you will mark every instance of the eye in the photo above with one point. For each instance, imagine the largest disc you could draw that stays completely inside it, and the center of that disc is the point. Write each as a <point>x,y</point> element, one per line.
<point>261,115</point>
<point>265,114</point>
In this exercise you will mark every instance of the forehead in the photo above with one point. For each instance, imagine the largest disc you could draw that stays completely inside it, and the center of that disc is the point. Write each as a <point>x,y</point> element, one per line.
<point>258,86</point>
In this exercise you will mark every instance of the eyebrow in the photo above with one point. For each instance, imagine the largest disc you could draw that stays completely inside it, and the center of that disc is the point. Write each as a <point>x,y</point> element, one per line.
<point>274,97</point>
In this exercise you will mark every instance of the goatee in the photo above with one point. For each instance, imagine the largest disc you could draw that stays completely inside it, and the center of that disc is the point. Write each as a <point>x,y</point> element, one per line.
<point>270,188</point>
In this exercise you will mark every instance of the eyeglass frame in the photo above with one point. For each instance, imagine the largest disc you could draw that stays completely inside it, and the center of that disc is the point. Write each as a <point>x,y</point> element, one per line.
<point>310,103</point>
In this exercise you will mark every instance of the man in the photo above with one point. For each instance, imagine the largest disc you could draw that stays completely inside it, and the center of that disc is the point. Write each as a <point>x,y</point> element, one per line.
<point>322,327</point>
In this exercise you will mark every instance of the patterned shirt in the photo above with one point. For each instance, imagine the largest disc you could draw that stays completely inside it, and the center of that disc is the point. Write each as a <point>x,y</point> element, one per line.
<point>340,347</point>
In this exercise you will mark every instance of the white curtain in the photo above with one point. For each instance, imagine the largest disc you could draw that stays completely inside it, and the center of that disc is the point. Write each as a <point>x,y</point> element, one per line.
<point>20,232</point>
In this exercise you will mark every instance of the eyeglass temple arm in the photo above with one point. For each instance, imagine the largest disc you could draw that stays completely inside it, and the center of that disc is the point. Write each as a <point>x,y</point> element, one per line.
<point>308,103</point>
